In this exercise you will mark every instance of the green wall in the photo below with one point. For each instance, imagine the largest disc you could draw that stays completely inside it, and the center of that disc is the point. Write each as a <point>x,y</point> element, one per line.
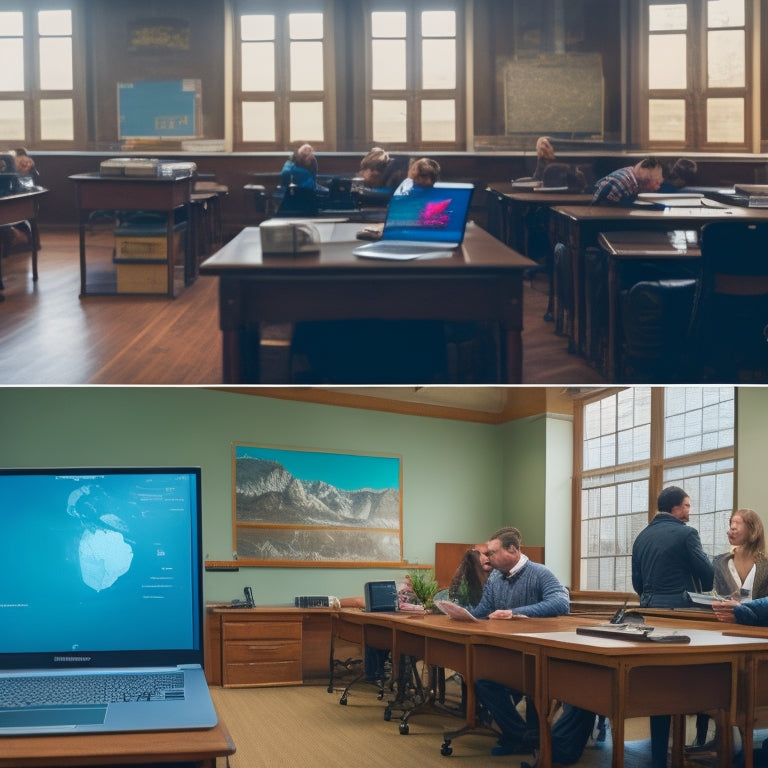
<point>451,469</point>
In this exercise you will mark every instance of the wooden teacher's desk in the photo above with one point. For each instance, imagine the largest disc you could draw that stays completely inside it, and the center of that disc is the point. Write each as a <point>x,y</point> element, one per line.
<point>198,748</point>
<point>17,208</point>
<point>547,660</point>
<point>481,281</point>
<point>579,226</point>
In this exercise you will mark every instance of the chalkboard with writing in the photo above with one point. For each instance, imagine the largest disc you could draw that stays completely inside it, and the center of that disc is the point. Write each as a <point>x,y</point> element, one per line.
<point>159,109</point>
<point>554,94</point>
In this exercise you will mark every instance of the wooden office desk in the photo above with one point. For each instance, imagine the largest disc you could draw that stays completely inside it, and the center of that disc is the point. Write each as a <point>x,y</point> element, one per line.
<point>625,249</point>
<point>482,281</point>
<point>198,748</point>
<point>15,209</point>
<point>579,226</point>
<point>133,193</point>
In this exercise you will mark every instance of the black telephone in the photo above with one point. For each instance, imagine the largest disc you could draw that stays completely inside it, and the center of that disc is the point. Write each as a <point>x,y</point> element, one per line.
<point>247,603</point>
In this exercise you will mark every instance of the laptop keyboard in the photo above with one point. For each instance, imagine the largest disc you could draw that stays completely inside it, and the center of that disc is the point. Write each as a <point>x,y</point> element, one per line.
<point>90,689</point>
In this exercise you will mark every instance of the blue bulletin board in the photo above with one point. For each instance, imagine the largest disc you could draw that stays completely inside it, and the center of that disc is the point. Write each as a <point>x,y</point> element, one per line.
<point>162,109</point>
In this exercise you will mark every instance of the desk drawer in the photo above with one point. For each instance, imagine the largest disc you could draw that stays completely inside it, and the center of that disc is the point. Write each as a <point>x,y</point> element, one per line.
<point>262,630</point>
<point>281,673</point>
<point>263,651</point>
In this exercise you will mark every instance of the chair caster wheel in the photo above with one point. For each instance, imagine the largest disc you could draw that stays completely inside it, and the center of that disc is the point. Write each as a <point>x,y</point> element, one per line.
<point>343,701</point>
<point>404,729</point>
<point>446,749</point>
<point>387,714</point>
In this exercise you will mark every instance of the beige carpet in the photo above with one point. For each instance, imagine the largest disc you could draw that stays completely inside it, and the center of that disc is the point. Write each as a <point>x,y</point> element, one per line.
<point>308,727</point>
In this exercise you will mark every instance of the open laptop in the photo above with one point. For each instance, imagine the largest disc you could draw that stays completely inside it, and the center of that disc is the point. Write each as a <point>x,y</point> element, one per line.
<point>428,222</point>
<point>101,584</point>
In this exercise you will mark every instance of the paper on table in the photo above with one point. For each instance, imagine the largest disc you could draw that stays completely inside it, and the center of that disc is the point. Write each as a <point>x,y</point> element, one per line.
<point>454,611</point>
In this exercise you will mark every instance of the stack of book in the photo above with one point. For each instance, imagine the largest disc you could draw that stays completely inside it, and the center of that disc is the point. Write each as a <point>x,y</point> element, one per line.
<point>755,194</point>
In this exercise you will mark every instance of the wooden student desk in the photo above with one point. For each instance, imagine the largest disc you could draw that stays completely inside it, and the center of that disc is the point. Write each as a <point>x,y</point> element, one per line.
<point>579,226</point>
<point>678,252</point>
<point>135,193</point>
<point>547,660</point>
<point>198,748</point>
<point>482,281</point>
<point>17,208</point>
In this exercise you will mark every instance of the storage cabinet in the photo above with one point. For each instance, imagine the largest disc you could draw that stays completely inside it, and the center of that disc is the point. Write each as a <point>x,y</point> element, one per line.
<point>267,646</point>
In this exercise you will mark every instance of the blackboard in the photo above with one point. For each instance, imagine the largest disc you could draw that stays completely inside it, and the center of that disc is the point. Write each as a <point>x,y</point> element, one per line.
<point>159,109</point>
<point>554,94</point>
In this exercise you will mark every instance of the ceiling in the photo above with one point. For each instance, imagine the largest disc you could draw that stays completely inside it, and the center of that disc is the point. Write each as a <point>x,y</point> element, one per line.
<point>487,404</point>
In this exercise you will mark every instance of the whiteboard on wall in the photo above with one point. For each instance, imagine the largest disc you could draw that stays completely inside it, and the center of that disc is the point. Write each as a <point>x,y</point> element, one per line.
<point>554,94</point>
<point>159,109</point>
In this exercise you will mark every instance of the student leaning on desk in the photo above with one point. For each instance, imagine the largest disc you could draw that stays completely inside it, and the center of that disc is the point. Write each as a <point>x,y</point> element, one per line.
<point>521,588</point>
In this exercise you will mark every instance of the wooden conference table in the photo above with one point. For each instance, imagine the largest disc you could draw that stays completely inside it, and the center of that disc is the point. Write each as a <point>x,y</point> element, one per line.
<point>547,660</point>
<point>198,748</point>
<point>481,281</point>
<point>135,193</point>
<point>579,227</point>
<point>15,209</point>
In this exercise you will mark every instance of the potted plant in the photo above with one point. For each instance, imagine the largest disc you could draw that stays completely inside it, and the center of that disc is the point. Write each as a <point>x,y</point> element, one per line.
<point>424,587</point>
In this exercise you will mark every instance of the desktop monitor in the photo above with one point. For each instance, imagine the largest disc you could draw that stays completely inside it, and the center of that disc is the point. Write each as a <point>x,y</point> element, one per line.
<point>381,596</point>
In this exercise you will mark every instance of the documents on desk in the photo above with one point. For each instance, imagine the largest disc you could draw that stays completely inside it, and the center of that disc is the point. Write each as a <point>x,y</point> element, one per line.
<point>455,611</point>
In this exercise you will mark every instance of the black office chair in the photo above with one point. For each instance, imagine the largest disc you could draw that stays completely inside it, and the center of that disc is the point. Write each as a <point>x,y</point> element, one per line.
<point>731,313</point>
<point>654,327</point>
<point>298,202</point>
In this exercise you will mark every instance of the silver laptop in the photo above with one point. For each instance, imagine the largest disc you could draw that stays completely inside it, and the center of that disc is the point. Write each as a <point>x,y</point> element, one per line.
<point>428,222</point>
<point>101,601</point>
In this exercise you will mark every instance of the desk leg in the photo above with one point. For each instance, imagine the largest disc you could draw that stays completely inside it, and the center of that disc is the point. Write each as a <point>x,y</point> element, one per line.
<point>511,363</point>
<point>35,235</point>
<point>83,219</point>
<point>614,336</point>
<point>241,339</point>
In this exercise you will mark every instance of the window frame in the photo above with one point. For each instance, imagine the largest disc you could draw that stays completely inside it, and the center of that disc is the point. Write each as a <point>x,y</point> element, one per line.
<point>413,93</point>
<point>282,96</point>
<point>32,94</point>
<point>697,92</point>
<point>656,466</point>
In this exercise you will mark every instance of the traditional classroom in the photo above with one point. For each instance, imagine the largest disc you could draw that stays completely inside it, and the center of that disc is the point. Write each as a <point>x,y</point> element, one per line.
<point>615,150</point>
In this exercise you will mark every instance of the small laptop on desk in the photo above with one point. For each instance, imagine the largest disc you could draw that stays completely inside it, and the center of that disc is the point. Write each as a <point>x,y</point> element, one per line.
<point>101,601</point>
<point>428,222</point>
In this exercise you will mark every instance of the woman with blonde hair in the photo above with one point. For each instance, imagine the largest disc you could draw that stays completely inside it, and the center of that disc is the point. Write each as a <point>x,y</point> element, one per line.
<point>743,571</point>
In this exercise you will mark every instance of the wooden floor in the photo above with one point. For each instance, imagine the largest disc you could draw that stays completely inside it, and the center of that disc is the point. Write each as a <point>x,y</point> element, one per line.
<point>49,335</point>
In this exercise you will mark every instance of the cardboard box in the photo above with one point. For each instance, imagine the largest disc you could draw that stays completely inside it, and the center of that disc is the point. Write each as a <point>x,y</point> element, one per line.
<point>142,278</point>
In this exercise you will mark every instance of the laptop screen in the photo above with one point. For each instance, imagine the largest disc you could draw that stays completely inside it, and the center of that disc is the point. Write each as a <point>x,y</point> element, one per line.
<point>100,567</point>
<point>429,214</point>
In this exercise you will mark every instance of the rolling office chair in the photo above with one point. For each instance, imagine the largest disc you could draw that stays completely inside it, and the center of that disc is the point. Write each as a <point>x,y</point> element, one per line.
<point>298,202</point>
<point>731,309</point>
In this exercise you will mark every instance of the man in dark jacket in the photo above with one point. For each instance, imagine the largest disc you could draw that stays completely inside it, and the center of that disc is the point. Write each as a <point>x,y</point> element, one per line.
<point>667,562</point>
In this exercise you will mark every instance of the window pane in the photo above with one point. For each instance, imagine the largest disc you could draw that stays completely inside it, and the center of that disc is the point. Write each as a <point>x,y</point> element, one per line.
<point>11,65</point>
<point>438,24</point>
<point>305,26</point>
<point>667,66</point>
<point>56,120</point>
<point>307,66</point>
<point>261,27</point>
<point>667,17</point>
<point>12,120</point>
<point>388,64</point>
<point>725,120</point>
<point>389,121</point>
<point>388,24</point>
<point>258,64</point>
<point>306,121</point>
<point>56,64</point>
<point>259,121</point>
<point>438,120</point>
<point>12,23</point>
<point>54,22</point>
<point>726,67</point>
<point>438,64</point>
<point>666,120</point>
<point>725,13</point>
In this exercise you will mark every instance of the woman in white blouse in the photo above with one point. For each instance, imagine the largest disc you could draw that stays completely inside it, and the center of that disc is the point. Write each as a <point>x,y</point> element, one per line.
<point>742,573</point>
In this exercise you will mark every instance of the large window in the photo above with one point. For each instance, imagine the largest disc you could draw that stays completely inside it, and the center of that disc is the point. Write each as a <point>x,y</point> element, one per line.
<point>37,75</point>
<point>415,76</point>
<point>285,93</point>
<point>695,76</point>
<point>631,443</point>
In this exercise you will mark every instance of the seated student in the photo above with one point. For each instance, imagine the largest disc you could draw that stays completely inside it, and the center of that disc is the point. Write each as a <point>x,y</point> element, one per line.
<point>467,584</point>
<point>381,174</point>
<point>621,187</point>
<point>682,174</point>
<point>525,588</point>
<point>423,172</point>
<point>300,170</point>
<point>545,153</point>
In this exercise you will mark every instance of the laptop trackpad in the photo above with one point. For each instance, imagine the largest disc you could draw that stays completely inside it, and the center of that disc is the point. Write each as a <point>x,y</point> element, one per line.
<point>52,716</point>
